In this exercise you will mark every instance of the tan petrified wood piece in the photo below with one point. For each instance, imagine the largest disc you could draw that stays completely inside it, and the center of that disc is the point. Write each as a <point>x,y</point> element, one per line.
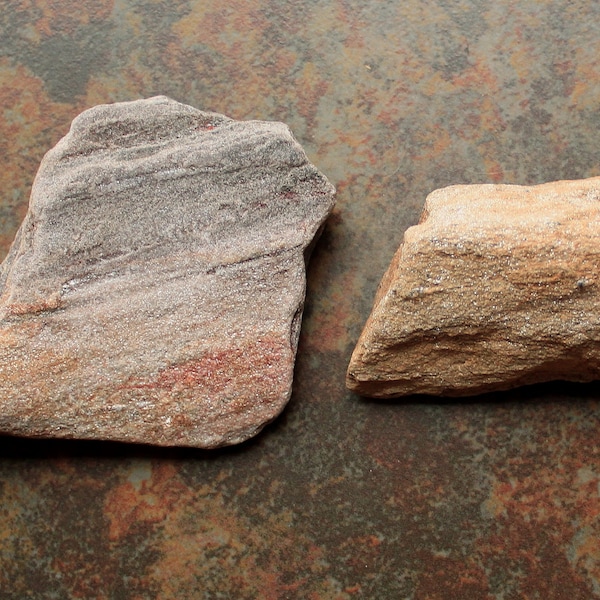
<point>154,291</point>
<point>496,287</point>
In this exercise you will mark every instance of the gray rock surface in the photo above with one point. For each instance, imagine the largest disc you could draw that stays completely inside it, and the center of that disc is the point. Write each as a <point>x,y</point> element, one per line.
<point>154,291</point>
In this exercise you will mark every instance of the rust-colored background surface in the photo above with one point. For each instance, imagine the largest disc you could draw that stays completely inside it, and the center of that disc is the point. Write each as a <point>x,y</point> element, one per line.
<point>493,498</point>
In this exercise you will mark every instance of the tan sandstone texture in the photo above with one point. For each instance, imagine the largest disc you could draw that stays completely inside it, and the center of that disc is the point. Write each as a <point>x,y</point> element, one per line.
<point>154,291</point>
<point>496,287</point>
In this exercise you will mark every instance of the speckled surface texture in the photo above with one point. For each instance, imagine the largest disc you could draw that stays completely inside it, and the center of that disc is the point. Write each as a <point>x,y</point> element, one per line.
<point>154,291</point>
<point>494,289</point>
<point>340,498</point>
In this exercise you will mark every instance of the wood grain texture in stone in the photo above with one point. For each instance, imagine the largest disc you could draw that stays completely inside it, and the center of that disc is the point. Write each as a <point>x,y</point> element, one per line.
<point>154,291</point>
<point>496,287</point>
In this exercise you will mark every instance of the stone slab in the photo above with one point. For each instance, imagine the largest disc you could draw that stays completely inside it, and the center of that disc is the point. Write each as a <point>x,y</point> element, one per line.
<point>154,291</point>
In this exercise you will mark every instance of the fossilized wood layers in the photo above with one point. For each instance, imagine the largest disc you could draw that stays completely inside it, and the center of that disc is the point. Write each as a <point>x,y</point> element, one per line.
<point>497,286</point>
<point>154,291</point>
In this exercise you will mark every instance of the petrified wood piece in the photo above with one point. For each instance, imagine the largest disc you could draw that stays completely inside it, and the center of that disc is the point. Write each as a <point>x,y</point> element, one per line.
<point>154,291</point>
<point>496,287</point>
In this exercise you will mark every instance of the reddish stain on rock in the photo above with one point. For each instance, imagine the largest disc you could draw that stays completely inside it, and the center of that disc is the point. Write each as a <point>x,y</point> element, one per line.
<point>214,371</point>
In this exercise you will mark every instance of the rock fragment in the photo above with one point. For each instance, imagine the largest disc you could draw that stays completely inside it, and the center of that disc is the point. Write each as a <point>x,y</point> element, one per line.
<point>496,287</point>
<point>154,291</point>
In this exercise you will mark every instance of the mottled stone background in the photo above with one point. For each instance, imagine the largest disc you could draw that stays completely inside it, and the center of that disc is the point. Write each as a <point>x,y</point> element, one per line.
<point>493,498</point>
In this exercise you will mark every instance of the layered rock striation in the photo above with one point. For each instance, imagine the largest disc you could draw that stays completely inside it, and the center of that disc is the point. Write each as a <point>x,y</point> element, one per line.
<point>496,287</point>
<point>154,291</point>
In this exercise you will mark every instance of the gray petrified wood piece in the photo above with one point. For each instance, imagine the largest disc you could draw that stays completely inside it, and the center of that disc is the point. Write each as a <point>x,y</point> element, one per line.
<point>154,291</point>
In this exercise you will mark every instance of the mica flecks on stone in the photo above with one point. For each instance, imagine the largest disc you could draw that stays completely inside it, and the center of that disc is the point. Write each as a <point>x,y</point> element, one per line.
<point>154,291</point>
<point>496,287</point>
